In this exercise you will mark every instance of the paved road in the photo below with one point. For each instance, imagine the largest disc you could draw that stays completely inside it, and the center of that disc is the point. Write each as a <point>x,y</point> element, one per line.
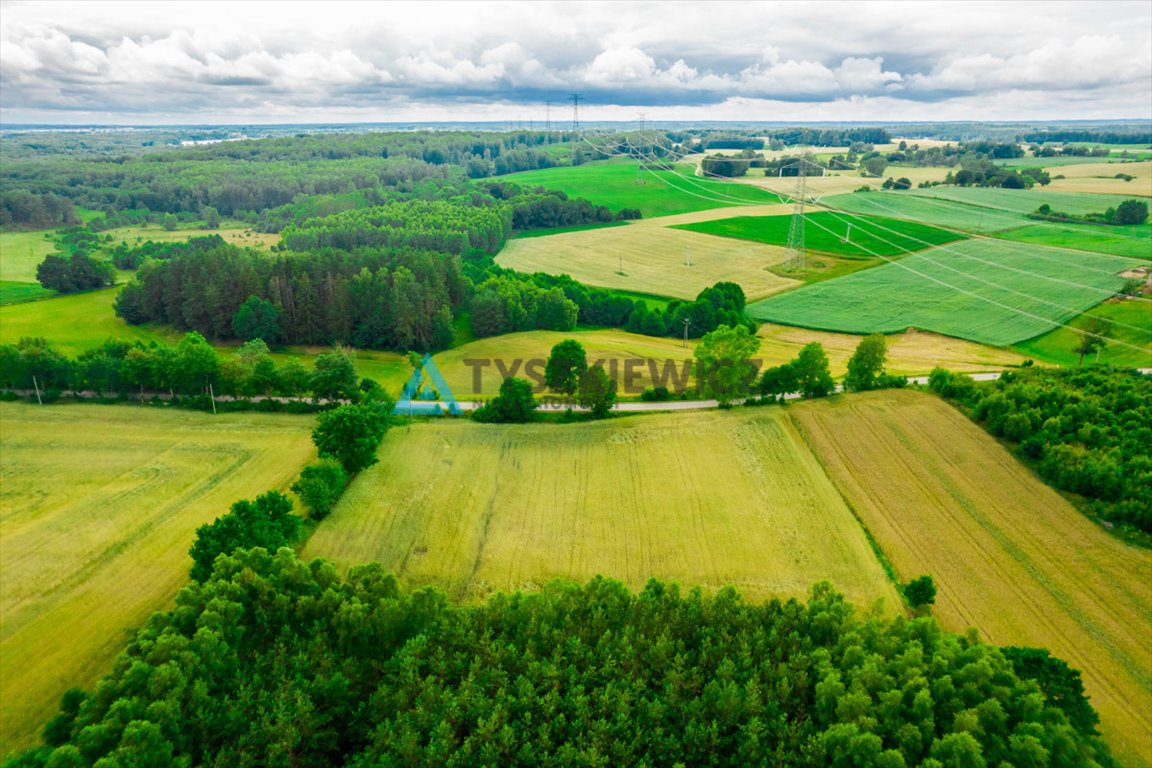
<point>697,405</point>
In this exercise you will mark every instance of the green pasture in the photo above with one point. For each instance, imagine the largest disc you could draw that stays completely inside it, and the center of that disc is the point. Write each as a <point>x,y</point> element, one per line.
<point>22,252</point>
<point>829,233</point>
<point>14,293</point>
<point>655,193</point>
<point>982,290</point>
<point>1131,327</point>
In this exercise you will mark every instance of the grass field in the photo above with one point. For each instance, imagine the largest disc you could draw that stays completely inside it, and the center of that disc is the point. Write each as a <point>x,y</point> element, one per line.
<point>76,322</point>
<point>832,233</point>
<point>82,321</point>
<point>1132,325</point>
<point>473,508</point>
<point>233,232</point>
<point>658,193</point>
<point>15,293</point>
<point>98,508</point>
<point>1009,556</point>
<point>21,253</point>
<point>950,290</point>
<point>649,257</point>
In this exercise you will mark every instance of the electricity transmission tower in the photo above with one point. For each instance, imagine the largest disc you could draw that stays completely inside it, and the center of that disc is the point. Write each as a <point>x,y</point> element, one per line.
<point>794,256</point>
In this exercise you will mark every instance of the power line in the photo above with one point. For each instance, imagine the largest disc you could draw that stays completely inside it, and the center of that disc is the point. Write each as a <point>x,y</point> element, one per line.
<point>901,265</point>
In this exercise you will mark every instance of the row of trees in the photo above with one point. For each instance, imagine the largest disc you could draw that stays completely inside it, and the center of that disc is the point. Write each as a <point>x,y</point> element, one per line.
<point>1129,212</point>
<point>347,438</point>
<point>273,661</point>
<point>1088,431</point>
<point>189,368</point>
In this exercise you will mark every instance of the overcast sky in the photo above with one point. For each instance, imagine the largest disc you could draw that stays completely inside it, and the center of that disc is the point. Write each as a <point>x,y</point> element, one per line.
<point>283,62</point>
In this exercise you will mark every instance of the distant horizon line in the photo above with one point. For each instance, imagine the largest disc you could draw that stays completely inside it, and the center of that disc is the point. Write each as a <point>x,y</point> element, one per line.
<point>558,125</point>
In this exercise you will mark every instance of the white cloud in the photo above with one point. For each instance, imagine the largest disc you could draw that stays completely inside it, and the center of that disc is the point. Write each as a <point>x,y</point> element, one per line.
<point>184,58</point>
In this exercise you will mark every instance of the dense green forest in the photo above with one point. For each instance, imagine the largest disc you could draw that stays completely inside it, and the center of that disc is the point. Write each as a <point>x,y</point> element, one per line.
<point>242,179</point>
<point>1088,431</point>
<point>276,662</point>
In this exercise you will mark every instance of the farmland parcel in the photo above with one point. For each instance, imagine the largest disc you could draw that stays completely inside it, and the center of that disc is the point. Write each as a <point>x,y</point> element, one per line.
<point>704,499</point>
<point>98,508</point>
<point>1009,555</point>
<point>988,291</point>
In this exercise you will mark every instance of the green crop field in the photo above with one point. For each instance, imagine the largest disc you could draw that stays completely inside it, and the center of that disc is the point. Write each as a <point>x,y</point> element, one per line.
<point>98,507</point>
<point>951,290</point>
<point>963,216</point>
<point>1009,555</point>
<point>704,499</point>
<point>828,232</point>
<point>1023,200</point>
<point>656,193</point>
<point>1132,241</point>
<point>1132,327</point>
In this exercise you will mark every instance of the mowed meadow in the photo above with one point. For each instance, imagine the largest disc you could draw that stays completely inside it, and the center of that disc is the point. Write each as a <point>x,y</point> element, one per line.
<point>652,257</point>
<point>1009,555</point>
<point>98,507</point>
<point>709,499</point>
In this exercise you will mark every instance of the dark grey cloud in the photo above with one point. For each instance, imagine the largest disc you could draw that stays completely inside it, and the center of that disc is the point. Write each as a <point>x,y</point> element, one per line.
<point>741,60</point>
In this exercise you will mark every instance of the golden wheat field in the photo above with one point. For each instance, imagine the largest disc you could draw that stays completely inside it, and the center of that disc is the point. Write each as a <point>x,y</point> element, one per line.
<point>647,256</point>
<point>704,499</point>
<point>98,507</point>
<point>1100,178</point>
<point>1009,555</point>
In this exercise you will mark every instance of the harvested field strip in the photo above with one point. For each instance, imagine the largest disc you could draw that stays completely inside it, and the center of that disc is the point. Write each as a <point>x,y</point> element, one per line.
<point>98,508</point>
<point>1009,555</point>
<point>647,257</point>
<point>473,508</point>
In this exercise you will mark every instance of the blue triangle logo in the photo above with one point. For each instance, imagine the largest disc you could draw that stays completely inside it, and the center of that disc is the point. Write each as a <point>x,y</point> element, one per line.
<point>426,393</point>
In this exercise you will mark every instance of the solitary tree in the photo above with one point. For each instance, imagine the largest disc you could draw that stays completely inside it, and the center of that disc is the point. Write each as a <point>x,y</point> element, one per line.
<point>566,364</point>
<point>866,365</point>
<point>597,391</point>
<point>724,367</point>
<point>1131,212</point>
<point>1094,337</point>
<point>920,592</point>
<point>812,373</point>
<point>351,434</point>
<point>514,405</point>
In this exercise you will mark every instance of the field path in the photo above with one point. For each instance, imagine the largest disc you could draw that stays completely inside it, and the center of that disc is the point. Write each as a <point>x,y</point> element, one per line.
<point>1009,555</point>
